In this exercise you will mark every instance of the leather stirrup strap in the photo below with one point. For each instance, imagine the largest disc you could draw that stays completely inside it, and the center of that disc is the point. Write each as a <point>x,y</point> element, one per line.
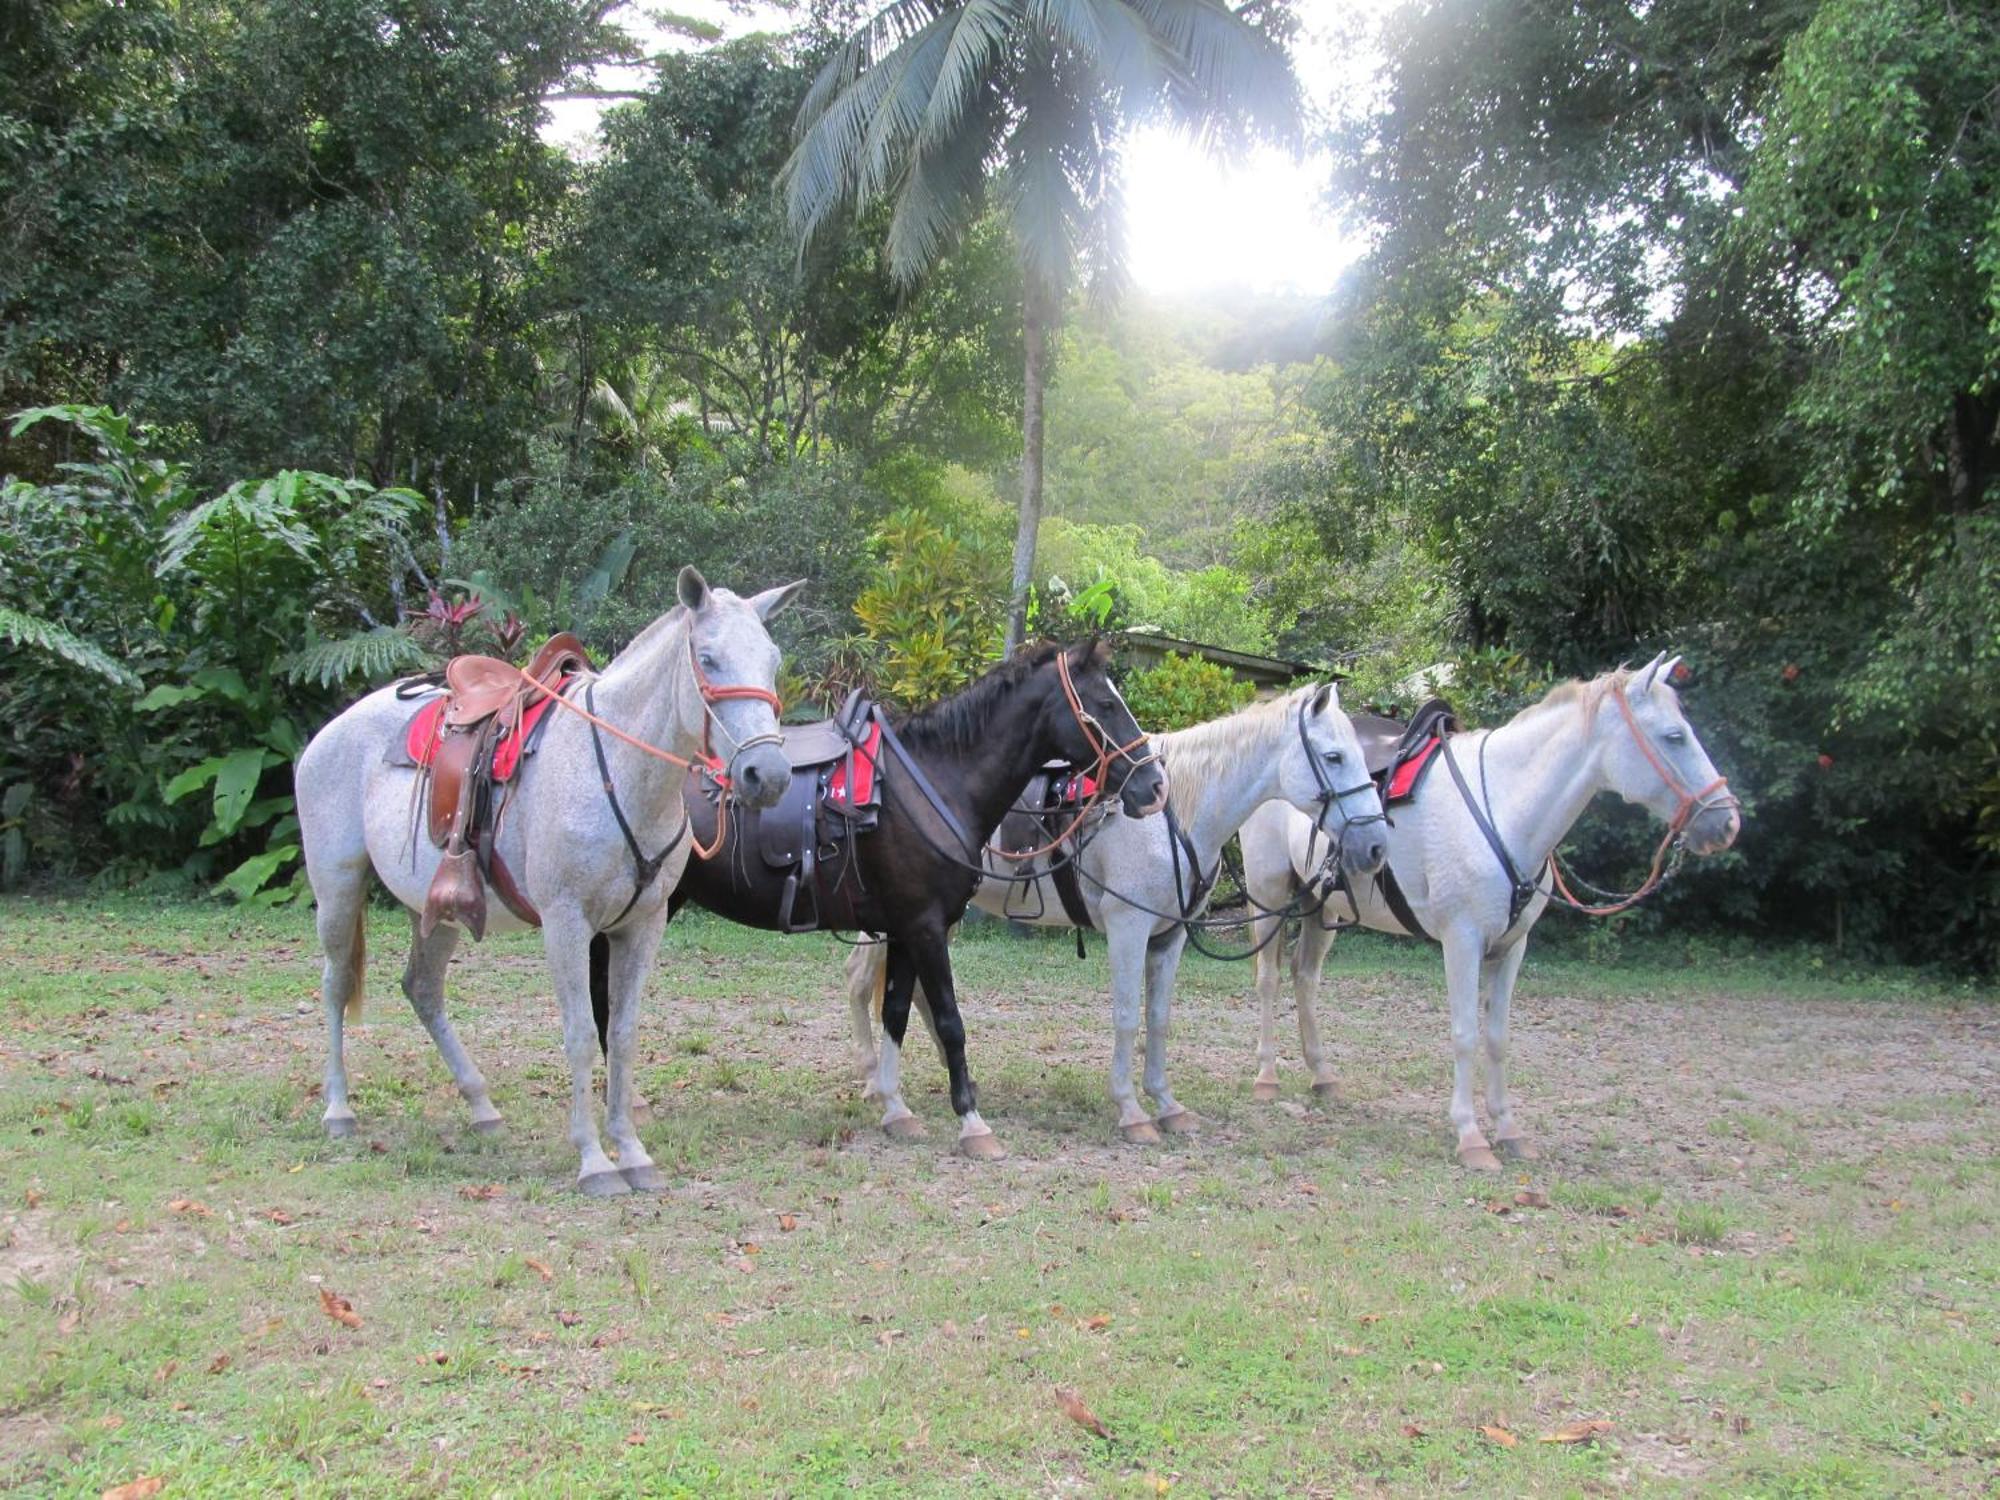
<point>938,805</point>
<point>644,871</point>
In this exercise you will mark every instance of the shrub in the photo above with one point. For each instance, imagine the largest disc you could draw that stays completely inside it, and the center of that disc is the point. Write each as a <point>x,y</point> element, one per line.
<point>1184,690</point>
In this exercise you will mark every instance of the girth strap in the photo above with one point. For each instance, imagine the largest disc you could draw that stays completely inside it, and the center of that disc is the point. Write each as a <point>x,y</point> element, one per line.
<point>1399,904</point>
<point>644,871</point>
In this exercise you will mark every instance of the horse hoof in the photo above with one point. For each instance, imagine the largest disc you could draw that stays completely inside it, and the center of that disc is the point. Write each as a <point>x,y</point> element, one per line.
<point>646,1179</point>
<point>1144,1133</point>
<point>1264,1092</point>
<point>904,1128</point>
<point>1478,1159</point>
<point>982,1147</point>
<point>340,1127</point>
<point>1520,1148</point>
<point>610,1184</point>
<point>1326,1091</point>
<point>1180,1122</point>
<point>487,1127</point>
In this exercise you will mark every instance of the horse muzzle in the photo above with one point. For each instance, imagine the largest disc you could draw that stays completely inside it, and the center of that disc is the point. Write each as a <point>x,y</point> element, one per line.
<point>1144,791</point>
<point>759,775</point>
<point>1714,829</point>
<point>1363,851</point>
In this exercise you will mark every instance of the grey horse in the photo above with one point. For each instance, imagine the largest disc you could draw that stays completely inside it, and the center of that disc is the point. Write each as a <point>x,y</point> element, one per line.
<point>562,838</point>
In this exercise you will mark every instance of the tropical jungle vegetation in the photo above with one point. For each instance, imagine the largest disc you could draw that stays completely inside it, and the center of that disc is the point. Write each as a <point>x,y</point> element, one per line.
<point>1680,328</point>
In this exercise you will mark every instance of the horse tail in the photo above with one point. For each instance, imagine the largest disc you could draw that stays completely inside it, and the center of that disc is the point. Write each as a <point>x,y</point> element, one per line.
<point>358,962</point>
<point>881,990</point>
<point>600,989</point>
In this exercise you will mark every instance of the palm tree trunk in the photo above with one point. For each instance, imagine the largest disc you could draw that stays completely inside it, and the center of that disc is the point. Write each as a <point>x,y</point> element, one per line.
<point>1034,374</point>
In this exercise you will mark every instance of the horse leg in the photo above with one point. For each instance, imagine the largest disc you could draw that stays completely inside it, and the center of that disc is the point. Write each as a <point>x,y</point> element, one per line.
<point>1308,960</point>
<point>864,969</point>
<point>423,983</point>
<point>632,954</point>
<point>899,977</point>
<point>1500,976</point>
<point>343,935</point>
<point>566,939</point>
<point>1265,1089</point>
<point>1461,977</point>
<point>1125,935</point>
<point>1163,962</point>
<point>932,957</point>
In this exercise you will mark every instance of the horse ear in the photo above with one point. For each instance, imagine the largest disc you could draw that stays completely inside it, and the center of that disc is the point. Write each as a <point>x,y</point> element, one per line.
<point>1646,673</point>
<point>1669,668</point>
<point>692,589</point>
<point>1320,699</point>
<point>772,600</point>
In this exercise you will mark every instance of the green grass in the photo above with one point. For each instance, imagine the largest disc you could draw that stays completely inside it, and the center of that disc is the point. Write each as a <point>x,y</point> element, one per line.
<point>1769,1288</point>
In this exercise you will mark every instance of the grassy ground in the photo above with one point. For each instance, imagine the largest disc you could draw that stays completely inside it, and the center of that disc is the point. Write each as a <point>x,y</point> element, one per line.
<point>1769,1259</point>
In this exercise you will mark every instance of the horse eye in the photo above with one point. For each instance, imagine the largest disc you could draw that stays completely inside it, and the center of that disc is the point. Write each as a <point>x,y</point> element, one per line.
<point>708,663</point>
<point>1677,737</point>
<point>1333,757</point>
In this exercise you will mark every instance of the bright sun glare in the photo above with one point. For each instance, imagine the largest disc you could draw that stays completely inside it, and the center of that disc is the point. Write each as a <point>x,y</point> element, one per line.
<point>1194,222</point>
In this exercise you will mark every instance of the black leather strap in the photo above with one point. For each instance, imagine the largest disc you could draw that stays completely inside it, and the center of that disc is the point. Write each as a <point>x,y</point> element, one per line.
<point>1182,846</point>
<point>1399,904</point>
<point>1520,891</point>
<point>966,843</point>
<point>644,871</point>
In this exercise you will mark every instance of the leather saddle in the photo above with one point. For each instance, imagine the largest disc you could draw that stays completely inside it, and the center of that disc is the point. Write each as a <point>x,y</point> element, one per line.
<point>834,795</point>
<point>468,745</point>
<point>1400,752</point>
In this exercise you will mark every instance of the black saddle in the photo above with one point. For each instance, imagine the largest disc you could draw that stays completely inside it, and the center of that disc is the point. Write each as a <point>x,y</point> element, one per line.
<point>835,793</point>
<point>1388,745</point>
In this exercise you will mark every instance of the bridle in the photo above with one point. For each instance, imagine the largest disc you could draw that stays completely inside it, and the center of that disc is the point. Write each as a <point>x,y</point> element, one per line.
<point>1687,807</point>
<point>1330,797</point>
<point>708,765</point>
<point>1104,747</point>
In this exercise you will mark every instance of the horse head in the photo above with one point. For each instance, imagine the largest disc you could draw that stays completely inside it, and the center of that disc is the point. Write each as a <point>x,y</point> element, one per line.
<point>736,671</point>
<point>1092,725</point>
<point>1324,774</point>
<point>1653,758</point>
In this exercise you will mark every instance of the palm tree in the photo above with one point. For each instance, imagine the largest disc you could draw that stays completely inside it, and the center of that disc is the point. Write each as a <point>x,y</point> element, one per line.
<point>932,103</point>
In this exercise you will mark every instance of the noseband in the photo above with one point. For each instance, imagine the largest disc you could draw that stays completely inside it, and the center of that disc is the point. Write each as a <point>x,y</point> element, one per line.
<point>712,694</point>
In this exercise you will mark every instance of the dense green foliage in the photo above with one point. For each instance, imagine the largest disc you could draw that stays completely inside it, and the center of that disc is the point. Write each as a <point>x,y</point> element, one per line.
<point>1681,332</point>
<point>1183,690</point>
<point>1681,328</point>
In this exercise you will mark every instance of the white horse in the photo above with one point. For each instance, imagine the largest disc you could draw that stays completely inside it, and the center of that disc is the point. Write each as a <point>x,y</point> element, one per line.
<point>1623,732</point>
<point>1138,881</point>
<point>581,843</point>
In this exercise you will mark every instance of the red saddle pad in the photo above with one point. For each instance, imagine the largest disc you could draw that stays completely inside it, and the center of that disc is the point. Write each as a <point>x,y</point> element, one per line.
<point>421,738</point>
<point>862,793</point>
<point>1403,783</point>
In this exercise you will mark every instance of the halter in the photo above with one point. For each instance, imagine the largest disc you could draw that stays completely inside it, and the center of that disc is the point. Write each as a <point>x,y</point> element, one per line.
<point>1103,747</point>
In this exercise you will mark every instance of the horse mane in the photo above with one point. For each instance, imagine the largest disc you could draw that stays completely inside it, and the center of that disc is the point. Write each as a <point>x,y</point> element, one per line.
<point>961,721</point>
<point>1199,755</point>
<point>659,626</point>
<point>1582,693</point>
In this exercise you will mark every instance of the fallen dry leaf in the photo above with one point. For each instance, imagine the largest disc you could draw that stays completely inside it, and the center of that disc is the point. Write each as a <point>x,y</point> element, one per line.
<point>1073,1408</point>
<point>1531,1198</point>
<point>569,1319</point>
<point>33,1197</point>
<point>635,1438</point>
<point>438,1357</point>
<point>220,1363</point>
<point>279,1217</point>
<point>1095,1323</point>
<point>538,1268</point>
<point>1366,1318</point>
<point>1500,1435</point>
<point>1499,1206</point>
<point>1412,1430</point>
<point>1586,1431</point>
<point>490,1190</point>
<point>194,1208</point>
<point>787,1223</point>
<point>339,1309</point>
<point>136,1489</point>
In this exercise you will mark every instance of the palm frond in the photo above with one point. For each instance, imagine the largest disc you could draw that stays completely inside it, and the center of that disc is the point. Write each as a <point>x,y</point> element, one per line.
<point>1232,80</point>
<point>1114,40</point>
<point>979,31</point>
<point>372,656</point>
<point>939,195</point>
<point>46,635</point>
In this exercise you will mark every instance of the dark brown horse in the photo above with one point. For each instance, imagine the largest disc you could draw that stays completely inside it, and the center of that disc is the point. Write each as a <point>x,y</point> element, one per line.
<point>948,774</point>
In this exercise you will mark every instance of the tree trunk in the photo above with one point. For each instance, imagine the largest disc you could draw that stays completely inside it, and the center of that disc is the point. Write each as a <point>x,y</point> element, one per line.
<point>1035,338</point>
